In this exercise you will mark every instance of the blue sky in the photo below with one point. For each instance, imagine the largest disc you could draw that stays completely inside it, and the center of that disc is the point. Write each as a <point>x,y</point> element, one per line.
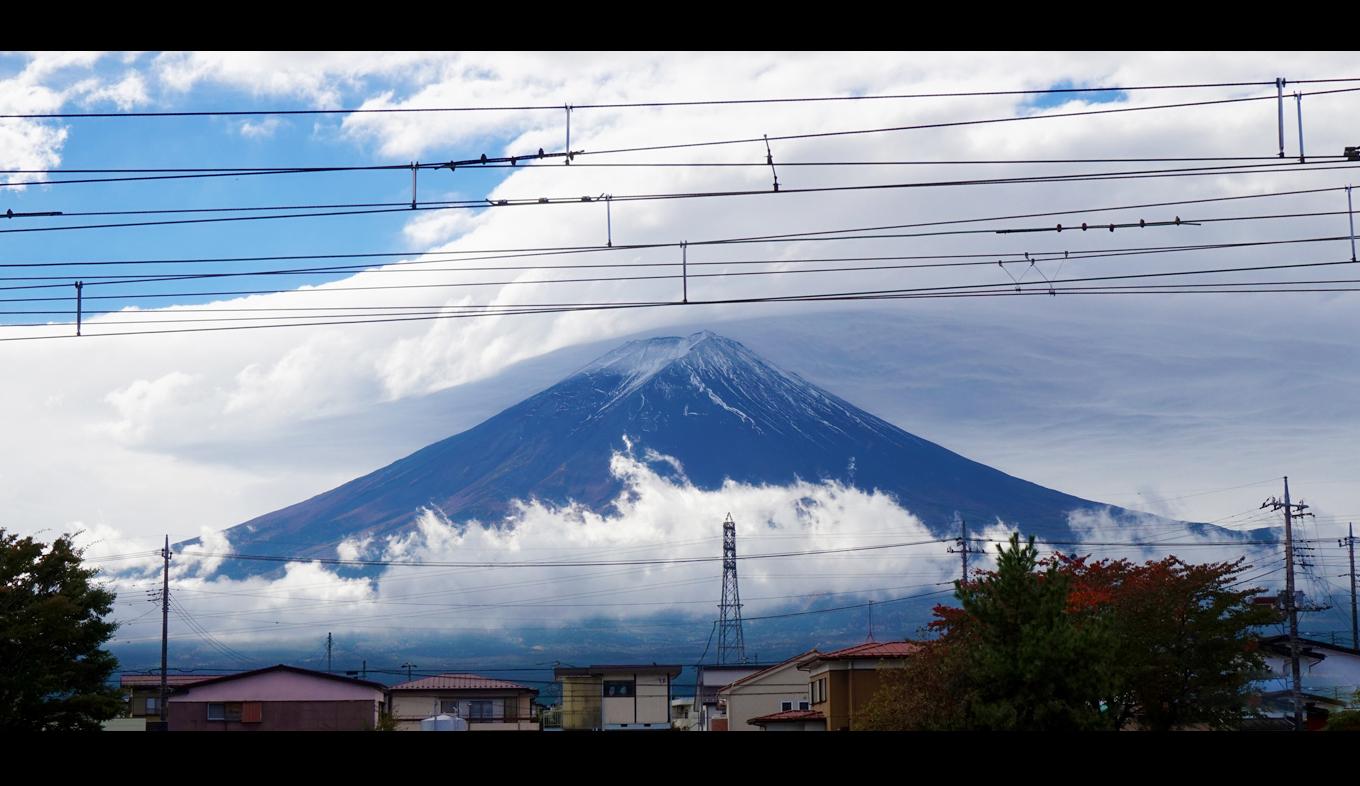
<point>1138,401</point>
<point>171,142</point>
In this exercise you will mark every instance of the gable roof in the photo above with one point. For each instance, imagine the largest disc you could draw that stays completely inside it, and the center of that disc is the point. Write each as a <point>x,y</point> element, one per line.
<point>873,650</point>
<point>461,682</point>
<point>795,659</point>
<point>283,667</point>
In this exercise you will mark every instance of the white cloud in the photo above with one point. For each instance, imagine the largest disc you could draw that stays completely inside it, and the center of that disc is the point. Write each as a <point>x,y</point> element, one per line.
<point>653,518</point>
<point>260,129</point>
<point>126,94</point>
<point>1095,396</point>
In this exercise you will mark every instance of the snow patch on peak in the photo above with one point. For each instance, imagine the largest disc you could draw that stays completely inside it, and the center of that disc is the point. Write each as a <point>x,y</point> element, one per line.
<point>638,361</point>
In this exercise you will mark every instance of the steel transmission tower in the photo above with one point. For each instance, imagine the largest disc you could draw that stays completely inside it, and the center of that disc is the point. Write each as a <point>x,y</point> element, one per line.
<point>731,643</point>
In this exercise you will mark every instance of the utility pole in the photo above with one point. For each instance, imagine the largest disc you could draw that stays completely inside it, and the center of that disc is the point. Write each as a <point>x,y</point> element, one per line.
<point>328,653</point>
<point>1349,543</point>
<point>408,666</point>
<point>962,546</point>
<point>165,627</point>
<point>1290,606</point>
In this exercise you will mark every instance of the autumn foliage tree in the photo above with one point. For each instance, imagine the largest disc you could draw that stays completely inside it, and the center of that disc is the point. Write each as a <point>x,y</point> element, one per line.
<point>1182,651</point>
<point>1070,643</point>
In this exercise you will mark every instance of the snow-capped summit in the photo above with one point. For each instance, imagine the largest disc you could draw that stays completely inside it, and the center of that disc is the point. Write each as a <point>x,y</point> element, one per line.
<point>708,401</point>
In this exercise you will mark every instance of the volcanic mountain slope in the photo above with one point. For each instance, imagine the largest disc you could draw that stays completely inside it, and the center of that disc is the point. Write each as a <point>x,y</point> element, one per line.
<point>705,400</point>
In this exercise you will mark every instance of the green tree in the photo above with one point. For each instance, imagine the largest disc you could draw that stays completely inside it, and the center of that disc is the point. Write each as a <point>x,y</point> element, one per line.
<point>1030,665</point>
<point>53,667</point>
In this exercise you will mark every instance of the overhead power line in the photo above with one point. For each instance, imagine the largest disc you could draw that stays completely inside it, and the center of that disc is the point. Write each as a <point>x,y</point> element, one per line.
<point>901,262</point>
<point>999,291</point>
<point>958,123</point>
<point>657,104</point>
<point>484,254</point>
<point>318,211</point>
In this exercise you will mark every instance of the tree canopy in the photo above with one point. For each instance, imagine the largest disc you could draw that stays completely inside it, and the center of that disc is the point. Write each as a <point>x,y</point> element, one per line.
<point>53,666</point>
<point>1070,643</point>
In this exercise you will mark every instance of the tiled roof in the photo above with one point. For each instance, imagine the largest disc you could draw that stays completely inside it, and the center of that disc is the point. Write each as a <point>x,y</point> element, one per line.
<point>788,715</point>
<point>154,680</point>
<point>874,649</point>
<point>460,682</point>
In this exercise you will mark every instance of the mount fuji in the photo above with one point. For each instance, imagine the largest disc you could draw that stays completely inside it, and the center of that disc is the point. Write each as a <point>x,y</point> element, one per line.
<point>702,408</point>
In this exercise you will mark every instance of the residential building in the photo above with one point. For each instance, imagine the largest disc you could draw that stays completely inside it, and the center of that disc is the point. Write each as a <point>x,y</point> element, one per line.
<point>616,697</point>
<point>709,713</point>
<point>143,692</point>
<point>277,698</point>
<point>486,703</point>
<point>682,713</point>
<point>841,683</point>
<point>775,689</point>
<point>1325,669</point>
<point>1329,676</point>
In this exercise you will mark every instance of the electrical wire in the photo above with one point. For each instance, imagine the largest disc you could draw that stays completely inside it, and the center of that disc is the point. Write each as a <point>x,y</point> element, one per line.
<point>652,104</point>
<point>407,207</point>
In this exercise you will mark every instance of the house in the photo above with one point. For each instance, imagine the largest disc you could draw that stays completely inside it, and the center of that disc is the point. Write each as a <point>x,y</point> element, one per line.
<point>143,692</point>
<point>1328,676</point>
<point>277,698</point>
<point>682,713</point>
<point>616,697</point>
<point>776,689</point>
<point>709,714</point>
<point>841,683</point>
<point>486,703</point>
<point>1326,669</point>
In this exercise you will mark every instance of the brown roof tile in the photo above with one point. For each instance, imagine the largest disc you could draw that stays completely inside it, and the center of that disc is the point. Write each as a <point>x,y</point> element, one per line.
<point>788,715</point>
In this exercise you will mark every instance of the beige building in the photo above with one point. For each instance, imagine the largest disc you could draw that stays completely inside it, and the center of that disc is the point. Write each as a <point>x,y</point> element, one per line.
<point>616,697</point>
<point>143,692</point>
<point>841,683</point>
<point>782,687</point>
<point>487,704</point>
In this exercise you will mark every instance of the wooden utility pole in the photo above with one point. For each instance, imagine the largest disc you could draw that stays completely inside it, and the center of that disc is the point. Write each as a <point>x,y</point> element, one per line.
<point>962,545</point>
<point>165,627</point>
<point>1349,543</point>
<point>1290,605</point>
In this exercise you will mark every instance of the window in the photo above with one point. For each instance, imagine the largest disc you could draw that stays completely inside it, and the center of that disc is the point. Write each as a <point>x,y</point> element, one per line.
<point>480,710</point>
<point>225,712</point>
<point>252,712</point>
<point>622,689</point>
<point>449,707</point>
<point>802,705</point>
<point>785,706</point>
<point>819,690</point>
<point>151,706</point>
